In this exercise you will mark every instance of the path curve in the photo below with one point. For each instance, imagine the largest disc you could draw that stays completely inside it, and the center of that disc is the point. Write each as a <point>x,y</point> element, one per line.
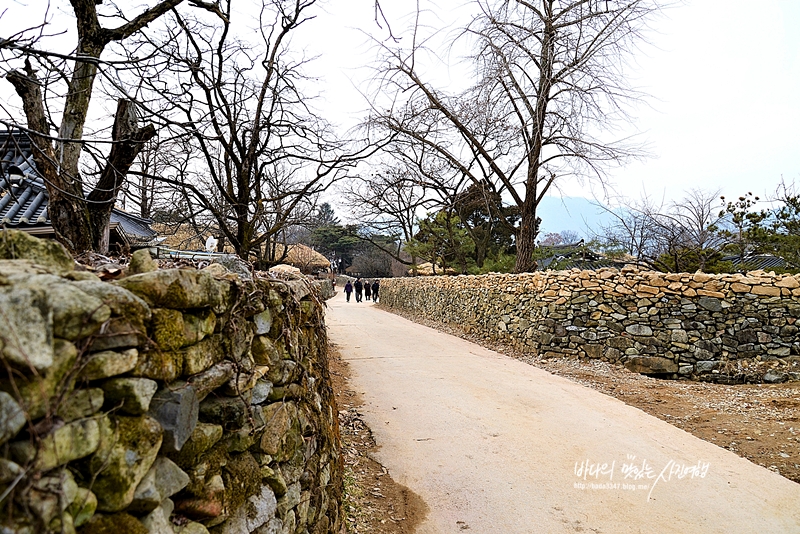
<point>494,445</point>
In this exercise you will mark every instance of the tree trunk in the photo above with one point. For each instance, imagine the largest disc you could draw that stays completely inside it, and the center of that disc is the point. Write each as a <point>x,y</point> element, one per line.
<point>129,141</point>
<point>526,240</point>
<point>66,208</point>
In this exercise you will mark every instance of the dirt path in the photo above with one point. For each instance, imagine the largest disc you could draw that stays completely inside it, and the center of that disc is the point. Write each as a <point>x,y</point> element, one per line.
<point>492,444</point>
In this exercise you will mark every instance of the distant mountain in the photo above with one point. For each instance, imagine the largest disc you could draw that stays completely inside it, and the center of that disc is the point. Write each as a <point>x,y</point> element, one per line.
<point>578,214</point>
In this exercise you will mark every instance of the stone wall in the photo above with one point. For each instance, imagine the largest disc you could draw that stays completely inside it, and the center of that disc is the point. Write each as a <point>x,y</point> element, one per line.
<point>168,401</point>
<point>724,328</point>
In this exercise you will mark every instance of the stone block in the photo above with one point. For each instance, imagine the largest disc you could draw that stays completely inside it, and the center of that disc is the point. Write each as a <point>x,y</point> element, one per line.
<point>12,417</point>
<point>787,281</point>
<point>201,356</point>
<point>163,480</point>
<point>593,351</point>
<point>265,352</point>
<point>121,462</point>
<point>157,521</point>
<point>282,373</point>
<point>167,329</point>
<point>282,435</point>
<point>274,478</point>
<point>122,303</point>
<point>639,330</point>
<point>27,323</point>
<point>108,363</point>
<point>263,322</point>
<point>775,377</point>
<point>288,392</point>
<point>176,408</point>
<point>141,262</point>
<point>209,503</point>
<point>51,494</point>
<point>165,366</point>
<point>651,365</point>
<point>81,403</point>
<point>118,333</point>
<point>780,352</point>
<point>769,291</point>
<point>213,378</point>
<point>706,366</point>
<point>710,303</point>
<point>204,437</point>
<point>230,412</point>
<point>289,500</point>
<point>244,381</point>
<point>82,508</point>
<point>62,445</point>
<point>76,314</point>
<point>131,395</point>
<point>181,289</point>
<point>256,512</point>
<point>198,325</point>
<point>48,253</point>
<point>261,391</point>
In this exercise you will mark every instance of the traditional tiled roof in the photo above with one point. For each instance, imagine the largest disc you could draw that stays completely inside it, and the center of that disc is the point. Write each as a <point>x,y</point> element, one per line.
<point>23,196</point>
<point>754,262</point>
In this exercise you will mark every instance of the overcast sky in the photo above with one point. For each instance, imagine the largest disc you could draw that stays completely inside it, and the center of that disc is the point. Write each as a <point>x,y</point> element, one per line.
<point>724,76</point>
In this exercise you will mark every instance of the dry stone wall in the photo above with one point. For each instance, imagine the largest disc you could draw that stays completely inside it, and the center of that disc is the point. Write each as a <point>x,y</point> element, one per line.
<point>725,328</point>
<point>169,401</point>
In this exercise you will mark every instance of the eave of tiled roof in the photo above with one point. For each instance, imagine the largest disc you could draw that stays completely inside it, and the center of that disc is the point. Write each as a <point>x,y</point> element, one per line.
<point>24,203</point>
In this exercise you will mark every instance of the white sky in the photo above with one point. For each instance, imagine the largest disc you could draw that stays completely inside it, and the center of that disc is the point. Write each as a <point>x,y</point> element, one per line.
<point>724,76</point>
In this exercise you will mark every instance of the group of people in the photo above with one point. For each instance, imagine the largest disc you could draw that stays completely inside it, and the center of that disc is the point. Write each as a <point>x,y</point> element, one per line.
<point>362,290</point>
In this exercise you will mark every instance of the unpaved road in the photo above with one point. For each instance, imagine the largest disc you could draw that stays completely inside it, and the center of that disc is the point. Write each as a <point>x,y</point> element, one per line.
<point>493,445</point>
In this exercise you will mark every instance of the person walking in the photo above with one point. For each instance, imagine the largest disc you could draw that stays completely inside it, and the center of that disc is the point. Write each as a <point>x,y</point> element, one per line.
<point>375,288</point>
<point>359,289</point>
<point>367,294</point>
<point>348,288</point>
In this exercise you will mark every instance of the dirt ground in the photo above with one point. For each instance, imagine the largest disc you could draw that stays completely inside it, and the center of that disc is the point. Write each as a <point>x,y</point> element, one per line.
<point>760,422</point>
<point>373,502</point>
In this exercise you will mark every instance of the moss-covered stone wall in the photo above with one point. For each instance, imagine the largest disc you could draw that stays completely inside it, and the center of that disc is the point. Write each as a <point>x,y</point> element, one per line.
<point>169,401</point>
<point>724,328</point>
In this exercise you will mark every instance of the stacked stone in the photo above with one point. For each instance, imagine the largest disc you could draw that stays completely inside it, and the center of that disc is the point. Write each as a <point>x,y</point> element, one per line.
<point>169,401</point>
<point>724,328</point>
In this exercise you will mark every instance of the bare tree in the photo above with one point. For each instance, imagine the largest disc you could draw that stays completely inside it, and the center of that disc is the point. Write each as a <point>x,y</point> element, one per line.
<point>677,237</point>
<point>56,88</point>
<point>260,154</point>
<point>549,79</point>
<point>387,203</point>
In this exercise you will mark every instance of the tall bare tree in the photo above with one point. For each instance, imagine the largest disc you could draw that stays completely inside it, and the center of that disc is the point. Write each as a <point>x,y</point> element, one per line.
<point>56,90</point>
<point>549,86</point>
<point>261,154</point>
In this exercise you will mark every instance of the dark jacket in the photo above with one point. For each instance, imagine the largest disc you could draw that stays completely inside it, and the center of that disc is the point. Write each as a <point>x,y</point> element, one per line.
<point>375,288</point>
<point>359,286</point>
<point>348,287</point>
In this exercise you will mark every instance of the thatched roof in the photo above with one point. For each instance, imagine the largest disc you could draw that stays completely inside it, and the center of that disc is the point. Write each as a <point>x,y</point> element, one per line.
<point>303,257</point>
<point>426,269</point>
